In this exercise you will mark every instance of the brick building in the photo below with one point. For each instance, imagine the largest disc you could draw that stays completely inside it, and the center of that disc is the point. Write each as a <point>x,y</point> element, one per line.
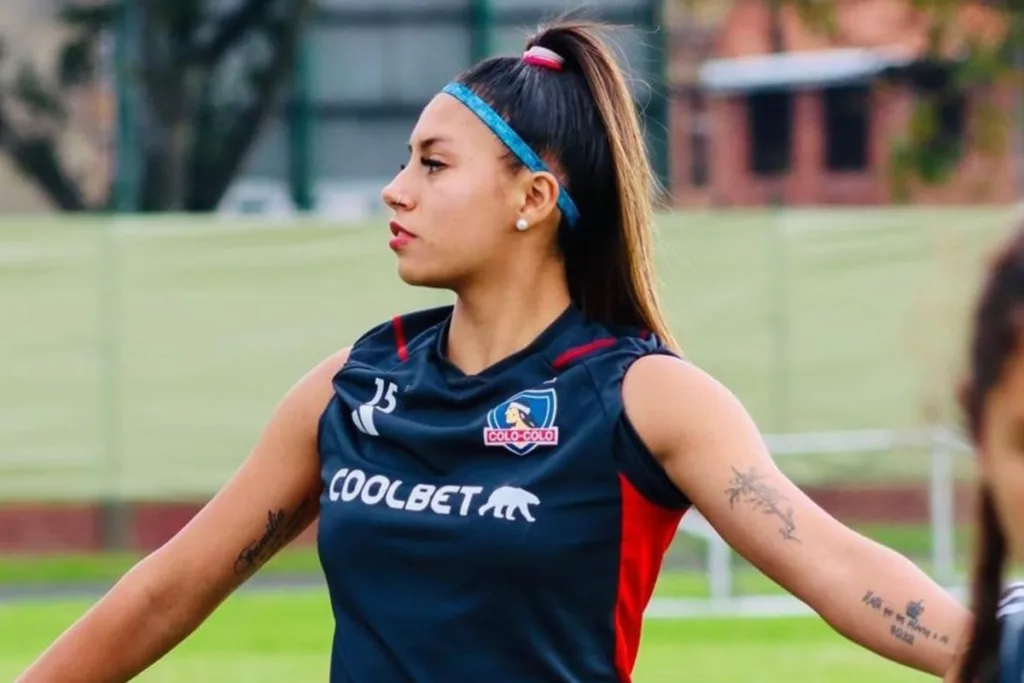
<point>816,124</point>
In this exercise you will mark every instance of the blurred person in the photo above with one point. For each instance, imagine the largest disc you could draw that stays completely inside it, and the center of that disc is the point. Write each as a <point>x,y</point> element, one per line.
<point>993,402</point>
<point>497,481</point>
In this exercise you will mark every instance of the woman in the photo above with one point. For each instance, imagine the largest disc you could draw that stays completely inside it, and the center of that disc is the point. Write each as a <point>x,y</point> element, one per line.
<point>458,546</point>
<point>993,401</point>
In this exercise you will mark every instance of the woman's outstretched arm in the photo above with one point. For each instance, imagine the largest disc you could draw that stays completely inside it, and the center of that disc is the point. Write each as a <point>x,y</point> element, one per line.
<point>269,501</point>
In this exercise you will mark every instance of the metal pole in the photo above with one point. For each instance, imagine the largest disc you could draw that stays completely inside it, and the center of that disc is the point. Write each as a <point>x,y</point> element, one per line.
<point>777,265</point>
<point>720,569</point>
<point>113,511</point>
<point>299,128</point>
<point>481,21</point>
<point>942,501</point>
<point>126,176</point>
<point>658,106</point>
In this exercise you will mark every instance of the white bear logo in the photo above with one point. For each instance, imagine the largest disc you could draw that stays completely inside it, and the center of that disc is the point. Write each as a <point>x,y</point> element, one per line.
<point>506,500</point>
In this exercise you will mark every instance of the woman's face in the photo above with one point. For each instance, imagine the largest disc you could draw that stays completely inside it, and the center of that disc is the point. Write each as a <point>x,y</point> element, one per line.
<point>454,202</point>
<point>1002,451</point>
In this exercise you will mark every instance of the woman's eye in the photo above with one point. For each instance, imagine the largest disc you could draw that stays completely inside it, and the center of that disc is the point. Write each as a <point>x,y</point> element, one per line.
<point>432,165</point>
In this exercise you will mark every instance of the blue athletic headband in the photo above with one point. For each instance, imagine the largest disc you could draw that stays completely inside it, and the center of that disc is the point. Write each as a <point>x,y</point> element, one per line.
<point>515,143</point>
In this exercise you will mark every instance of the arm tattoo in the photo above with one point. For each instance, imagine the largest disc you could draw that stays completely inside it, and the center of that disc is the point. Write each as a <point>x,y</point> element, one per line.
<point>906,626</point>
<point>281,529</point>
<point>749,488</point>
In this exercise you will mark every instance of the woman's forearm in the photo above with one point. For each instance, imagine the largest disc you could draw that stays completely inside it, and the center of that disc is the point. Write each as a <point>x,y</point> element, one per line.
<point>888,605</point>
<point>119,637</point>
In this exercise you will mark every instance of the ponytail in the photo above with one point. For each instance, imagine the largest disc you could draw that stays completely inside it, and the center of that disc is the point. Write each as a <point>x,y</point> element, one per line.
<point>980,663</point>
<point>629,296</point>
<point>583,118</point>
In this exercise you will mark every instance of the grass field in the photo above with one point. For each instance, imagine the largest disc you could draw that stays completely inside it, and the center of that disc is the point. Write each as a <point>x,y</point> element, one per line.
<point>142,357</point>
<point>261,635</point>
<point>286,637</point>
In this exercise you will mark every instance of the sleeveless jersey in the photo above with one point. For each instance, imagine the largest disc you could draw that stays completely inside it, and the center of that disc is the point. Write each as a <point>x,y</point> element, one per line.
<point>506,526</point>
<point>1011,650</point>
<point>1011,626</point>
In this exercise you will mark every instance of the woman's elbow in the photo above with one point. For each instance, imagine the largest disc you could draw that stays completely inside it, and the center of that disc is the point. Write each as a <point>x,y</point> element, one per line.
<point>172,594</point>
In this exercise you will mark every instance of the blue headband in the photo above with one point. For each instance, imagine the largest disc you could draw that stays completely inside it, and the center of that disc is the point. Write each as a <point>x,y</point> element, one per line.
<point>515,143</point>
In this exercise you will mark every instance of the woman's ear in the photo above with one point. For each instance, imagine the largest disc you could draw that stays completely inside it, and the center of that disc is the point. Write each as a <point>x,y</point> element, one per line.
<point>540,197</point>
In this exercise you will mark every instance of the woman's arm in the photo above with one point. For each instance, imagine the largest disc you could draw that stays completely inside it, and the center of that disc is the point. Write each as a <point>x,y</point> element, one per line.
<point>269,501</point>
<point>710,447</point>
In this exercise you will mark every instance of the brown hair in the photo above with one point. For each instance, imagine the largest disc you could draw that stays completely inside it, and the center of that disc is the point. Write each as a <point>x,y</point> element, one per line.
<point>583,118</point>
<point>995,338</point>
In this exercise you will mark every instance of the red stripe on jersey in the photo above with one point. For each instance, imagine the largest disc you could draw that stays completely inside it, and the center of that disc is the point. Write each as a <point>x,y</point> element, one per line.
<point>575,352</point>
<point>647,532</point>
<point>396,323</point>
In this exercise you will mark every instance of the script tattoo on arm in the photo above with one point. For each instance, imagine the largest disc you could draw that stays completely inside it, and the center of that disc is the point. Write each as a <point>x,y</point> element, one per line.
<point>281,528</point>
<point>749,488</point>
<point>906,626</point>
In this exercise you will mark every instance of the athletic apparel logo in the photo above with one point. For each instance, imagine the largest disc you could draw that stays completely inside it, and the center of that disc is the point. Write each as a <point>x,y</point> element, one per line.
<point>524,422</point>
<point>508,500</point>
<point>356,486</point>
<point>362,416</point>
<point>1012,600</point>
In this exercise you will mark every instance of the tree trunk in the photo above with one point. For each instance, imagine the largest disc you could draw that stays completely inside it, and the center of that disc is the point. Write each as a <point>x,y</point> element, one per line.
<point>189,146</point>
<point>250,122</point>
<point>36,157</point>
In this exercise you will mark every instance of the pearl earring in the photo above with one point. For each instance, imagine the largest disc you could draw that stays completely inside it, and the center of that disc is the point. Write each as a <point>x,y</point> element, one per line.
<point>522,224</point>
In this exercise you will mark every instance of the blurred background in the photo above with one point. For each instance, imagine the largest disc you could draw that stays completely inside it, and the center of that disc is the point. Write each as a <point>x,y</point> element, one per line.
<point>190,219</point>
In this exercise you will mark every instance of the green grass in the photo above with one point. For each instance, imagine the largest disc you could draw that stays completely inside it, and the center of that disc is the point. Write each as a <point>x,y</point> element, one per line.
<point>286,637</point>
<point>683,575</point>
<point>141,358</point>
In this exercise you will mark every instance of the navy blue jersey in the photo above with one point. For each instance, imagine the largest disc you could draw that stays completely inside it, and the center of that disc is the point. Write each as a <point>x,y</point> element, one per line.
<point>1011,650</point>
<point>1011,626</point>
<point>503,526</point>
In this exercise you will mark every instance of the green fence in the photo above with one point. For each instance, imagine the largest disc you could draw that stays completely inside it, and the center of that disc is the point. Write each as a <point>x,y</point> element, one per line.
<point>143,356</point>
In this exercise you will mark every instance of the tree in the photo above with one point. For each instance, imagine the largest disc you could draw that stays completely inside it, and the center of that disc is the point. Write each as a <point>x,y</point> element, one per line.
<point>202,83</point>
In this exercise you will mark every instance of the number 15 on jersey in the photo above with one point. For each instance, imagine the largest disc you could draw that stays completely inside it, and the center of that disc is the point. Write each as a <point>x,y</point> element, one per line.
<point>362,416</point>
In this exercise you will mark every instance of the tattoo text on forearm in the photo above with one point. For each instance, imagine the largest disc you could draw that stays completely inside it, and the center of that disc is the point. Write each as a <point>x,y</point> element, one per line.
<point>906,626</point>
<point>281,529</point>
